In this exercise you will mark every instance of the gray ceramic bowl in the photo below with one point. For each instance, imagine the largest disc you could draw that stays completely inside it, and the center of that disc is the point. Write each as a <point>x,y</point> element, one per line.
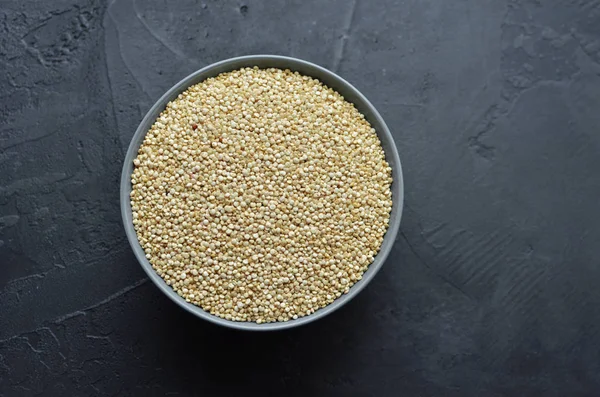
<point>267,61</point>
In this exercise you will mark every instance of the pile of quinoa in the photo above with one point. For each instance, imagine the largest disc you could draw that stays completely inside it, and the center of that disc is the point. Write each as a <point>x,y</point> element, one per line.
<point>261,195</point>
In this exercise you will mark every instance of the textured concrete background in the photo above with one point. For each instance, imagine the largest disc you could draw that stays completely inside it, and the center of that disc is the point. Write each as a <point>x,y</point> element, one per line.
<point>492,286</point>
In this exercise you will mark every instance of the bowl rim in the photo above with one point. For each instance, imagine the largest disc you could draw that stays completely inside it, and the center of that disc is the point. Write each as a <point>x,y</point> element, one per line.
<point>328,78</point>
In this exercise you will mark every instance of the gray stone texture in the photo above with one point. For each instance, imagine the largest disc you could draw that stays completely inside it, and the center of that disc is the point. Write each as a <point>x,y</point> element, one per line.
<point>492,286</point>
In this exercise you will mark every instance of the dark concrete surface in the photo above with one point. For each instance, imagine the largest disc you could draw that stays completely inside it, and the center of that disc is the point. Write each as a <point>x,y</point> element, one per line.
<point>493,285</point>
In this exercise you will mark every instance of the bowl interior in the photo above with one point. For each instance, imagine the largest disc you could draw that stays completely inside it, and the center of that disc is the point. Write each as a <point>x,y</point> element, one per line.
<point>330,79</point>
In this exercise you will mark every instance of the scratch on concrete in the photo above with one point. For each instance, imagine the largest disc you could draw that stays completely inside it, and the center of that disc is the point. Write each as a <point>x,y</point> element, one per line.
<point>156,35</point>
<point>341,48</point>
<point>28,184</point>
<point>29,277</point>
<point>424,263</point>
<point>102,302</point>
<point>38,137</point>
<point>110,84</point>
<point>139,83</point>
<point>80,312</point>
